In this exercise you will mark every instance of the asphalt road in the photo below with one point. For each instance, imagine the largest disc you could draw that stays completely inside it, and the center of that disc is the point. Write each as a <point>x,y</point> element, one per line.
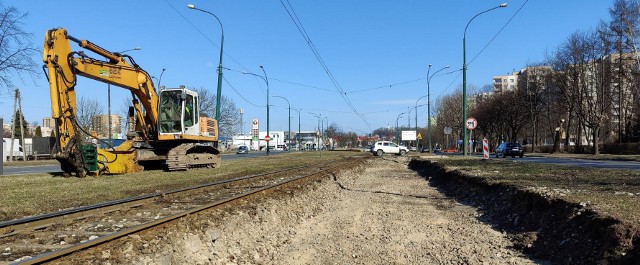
<point>7,171</point>
<point>613,164</point>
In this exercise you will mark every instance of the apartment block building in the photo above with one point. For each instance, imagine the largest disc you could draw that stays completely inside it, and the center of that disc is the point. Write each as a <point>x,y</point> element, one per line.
<point>100,124</point>
<point>48,122</point>
<point>503,83</point>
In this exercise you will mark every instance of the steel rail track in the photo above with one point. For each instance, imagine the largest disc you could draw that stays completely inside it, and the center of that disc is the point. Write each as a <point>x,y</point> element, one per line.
<point>32,223</point>
<point>29,224</point>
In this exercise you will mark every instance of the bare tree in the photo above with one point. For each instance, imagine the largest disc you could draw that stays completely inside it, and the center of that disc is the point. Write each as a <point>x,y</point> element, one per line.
<point>16,49</point>
<point>532,88</point>
<point>586,69</point>
<point>229,117</point>
<point>449,114</point>
<point>87,109</point>
<point>622,32</point>
<point>384,133</point>
<point>229,122</point>
<point>127,102</point>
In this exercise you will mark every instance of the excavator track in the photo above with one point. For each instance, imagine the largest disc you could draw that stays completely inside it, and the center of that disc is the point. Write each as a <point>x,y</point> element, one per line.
<point>191,155</point>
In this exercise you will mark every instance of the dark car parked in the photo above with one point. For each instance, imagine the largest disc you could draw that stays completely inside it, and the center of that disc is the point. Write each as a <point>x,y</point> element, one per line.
<point>425,149</point>
<point>243,150</point>
<point>509,149</point>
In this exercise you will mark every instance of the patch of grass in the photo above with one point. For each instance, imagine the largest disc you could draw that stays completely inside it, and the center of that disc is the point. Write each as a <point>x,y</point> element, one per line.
<point>24,195</point>
<point>608,191</point>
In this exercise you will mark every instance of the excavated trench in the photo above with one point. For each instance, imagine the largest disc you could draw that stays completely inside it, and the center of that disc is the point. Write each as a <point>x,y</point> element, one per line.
<point>547,228</point>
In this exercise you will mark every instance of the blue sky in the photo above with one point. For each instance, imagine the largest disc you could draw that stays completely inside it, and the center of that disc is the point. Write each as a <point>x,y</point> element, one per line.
<point>367,45</point>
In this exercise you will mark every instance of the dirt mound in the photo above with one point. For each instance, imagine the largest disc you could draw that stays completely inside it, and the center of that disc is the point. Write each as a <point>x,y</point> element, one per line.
<point>543,226</point>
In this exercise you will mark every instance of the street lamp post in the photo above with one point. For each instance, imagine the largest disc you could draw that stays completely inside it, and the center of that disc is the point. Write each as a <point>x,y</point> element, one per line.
<point>397,135</point>
<point>266,80</point>
<point>416,107</point>
<point>319,116</point>
<point>219,92</point>
<point>325,128</point>
<point>289,136</point>
<point>464,76</point>
<point>298,134</point>
<point>429,103</point>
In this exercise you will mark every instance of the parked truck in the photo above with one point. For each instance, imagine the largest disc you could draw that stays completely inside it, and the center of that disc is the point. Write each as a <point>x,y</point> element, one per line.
<point>18,153</point>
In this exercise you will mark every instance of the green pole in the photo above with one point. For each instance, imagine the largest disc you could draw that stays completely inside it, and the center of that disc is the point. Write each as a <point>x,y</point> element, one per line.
<point>464,77</point>
<point>429,104</point>
<point>266,80</point>
<point>219,90</point>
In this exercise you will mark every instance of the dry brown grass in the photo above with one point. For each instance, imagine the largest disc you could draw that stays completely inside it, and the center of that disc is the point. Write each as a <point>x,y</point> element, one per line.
<point>610,192</point>
<point>25,195</point>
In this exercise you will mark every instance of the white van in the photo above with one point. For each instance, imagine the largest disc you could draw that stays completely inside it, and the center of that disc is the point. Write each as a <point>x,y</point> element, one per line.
<point>18,153</point>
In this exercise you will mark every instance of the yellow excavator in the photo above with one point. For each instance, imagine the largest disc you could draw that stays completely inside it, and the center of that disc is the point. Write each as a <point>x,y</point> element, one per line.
<point>166,129</point>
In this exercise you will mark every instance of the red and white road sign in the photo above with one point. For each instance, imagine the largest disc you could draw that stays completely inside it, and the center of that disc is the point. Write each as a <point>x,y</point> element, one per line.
<point>267,138</point>
<point>472,123</point>
<point>485,148</point>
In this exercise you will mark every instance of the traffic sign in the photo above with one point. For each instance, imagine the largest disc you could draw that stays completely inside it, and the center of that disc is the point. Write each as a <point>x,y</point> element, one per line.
<point>472,123</point>
<point>448,130</point>
<point>419,136</point>
<point>267,138</point>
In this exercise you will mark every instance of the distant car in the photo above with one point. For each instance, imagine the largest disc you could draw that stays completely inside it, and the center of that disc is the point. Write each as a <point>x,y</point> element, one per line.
<point>381,147</point>
<point>425,149</point>
<point>509,149</point>
<point>243,150</point>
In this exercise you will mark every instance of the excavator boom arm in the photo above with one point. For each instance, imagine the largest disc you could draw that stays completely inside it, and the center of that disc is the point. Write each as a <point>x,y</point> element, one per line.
<point>64,65</point>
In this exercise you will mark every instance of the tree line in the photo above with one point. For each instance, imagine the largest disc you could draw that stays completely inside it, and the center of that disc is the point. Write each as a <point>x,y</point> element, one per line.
<point>584,94</point>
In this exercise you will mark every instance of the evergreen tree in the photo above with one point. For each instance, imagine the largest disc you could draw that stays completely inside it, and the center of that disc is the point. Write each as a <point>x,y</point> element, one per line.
<point>17,117</point>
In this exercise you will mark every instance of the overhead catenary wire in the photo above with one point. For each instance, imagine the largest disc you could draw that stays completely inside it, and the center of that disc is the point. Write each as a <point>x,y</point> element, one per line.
<point>485,46</point>
<point>294,17</point>
<point>498,33</point>
<point>332,90</point>
<point>204,35</point>
<point>240,94</point>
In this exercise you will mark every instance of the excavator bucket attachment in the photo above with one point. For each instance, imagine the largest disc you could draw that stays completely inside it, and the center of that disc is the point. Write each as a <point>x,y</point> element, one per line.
<point>119,161</point>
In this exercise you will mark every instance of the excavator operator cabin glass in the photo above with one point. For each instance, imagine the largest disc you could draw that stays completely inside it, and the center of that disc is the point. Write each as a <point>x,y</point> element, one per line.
<point>170,111</point>
<point>188,111</point>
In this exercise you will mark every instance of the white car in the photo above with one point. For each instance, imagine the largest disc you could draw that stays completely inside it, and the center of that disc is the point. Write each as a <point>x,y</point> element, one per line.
<point>381,147</point>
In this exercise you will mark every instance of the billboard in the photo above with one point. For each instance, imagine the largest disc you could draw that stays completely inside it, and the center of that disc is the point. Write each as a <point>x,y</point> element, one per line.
<point>408,136</point>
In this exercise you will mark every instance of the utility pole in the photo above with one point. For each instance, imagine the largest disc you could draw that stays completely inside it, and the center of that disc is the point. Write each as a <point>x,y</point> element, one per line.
<point>2,153</point>
<point>13,124</point>
<point>241,122</point>
<point>16,104</point>
<point>24,155</point>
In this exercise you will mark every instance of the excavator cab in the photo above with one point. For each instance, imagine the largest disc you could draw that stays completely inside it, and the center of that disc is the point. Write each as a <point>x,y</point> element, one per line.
<point>179,112</point>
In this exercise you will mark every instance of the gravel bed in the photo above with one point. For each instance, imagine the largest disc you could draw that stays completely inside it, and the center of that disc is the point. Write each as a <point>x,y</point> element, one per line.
<point>378,213</point>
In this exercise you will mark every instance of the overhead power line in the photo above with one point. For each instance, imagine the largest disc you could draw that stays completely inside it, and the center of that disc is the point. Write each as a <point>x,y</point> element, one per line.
<point>296,20</point>
<point>500,31</point>
<point>240,94</point>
